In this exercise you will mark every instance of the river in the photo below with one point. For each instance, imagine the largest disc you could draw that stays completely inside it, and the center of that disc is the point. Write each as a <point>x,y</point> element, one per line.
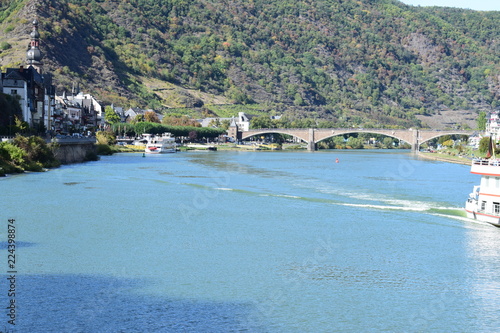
<point>249,242</point>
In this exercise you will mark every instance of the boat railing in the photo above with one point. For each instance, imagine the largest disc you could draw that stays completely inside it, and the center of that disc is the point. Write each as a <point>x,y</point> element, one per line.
<point>483,161</point>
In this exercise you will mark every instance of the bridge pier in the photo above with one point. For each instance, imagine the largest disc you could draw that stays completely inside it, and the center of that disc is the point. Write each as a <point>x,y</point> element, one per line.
<point>415,144</point>
<point>311,145</point>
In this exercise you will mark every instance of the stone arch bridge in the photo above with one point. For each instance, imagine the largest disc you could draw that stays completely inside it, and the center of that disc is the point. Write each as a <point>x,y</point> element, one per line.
<point>414,137</point>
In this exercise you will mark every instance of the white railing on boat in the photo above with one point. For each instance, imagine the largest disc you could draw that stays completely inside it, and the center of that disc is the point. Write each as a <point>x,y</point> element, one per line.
<point>490,162</point>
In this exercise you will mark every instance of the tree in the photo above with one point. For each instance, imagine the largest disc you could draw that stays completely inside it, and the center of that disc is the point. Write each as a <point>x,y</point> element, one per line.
<point>10,111</point>
<point>225,124</point>
<point>388,142</point>
<point>21,126</point>
<point>261,122</point>
<point>106,138</point>
<point>448,143</point>
<point>355,143</point>
<point>481,121</point>
<point>237,96</point>
<point>110,115</point>
<point>139,118</point>
<point>339,141</point>
<point>151,117</point>
<point>214,123</point>
<point>484,144</point>
<point>443,139</point>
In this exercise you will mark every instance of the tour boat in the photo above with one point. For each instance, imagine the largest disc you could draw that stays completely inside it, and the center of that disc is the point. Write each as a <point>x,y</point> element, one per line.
<point>160,144</point>
<point>483,203</point>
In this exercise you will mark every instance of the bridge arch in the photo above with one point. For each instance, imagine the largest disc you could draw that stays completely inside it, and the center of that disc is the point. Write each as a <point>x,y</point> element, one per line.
<point>299,134</point>
<point>425,138</point>
<point>361,132</point>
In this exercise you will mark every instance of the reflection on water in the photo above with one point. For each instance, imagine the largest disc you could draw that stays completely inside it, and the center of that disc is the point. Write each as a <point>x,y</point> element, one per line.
<point>483,247</point>
<point>73,303</point>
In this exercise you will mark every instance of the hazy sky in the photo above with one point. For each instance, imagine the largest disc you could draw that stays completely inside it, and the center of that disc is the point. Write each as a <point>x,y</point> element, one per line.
<point>470,4</point>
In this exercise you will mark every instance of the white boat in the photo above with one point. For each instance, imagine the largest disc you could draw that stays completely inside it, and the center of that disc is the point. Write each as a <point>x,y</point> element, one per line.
<point>160,144</point>
<point>483,203</point>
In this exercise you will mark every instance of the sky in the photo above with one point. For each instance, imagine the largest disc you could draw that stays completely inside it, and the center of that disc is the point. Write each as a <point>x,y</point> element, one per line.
<point>469,4</point>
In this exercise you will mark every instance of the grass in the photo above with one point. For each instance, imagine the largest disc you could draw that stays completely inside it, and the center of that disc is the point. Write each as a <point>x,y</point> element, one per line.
<point>453,155</point>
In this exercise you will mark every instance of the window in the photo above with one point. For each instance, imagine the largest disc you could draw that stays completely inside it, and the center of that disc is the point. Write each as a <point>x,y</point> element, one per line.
<point>483,205</point>
<point>13,91</point>
<point>485,182</point>
<point>496,207</point>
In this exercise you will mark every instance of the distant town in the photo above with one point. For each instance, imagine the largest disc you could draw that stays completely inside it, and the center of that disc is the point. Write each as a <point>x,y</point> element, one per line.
<point>79,113</point>
<point>75,112</point>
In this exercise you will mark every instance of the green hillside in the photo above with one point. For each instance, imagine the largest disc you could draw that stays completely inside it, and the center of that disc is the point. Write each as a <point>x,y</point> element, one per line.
<point>355,63</point>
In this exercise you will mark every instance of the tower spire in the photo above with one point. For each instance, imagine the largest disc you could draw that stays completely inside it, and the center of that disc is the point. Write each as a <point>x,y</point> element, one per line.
<point>34,56</point>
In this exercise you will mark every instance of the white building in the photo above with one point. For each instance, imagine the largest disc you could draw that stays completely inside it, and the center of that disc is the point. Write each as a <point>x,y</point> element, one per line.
<point>493,124</point>
<point>242,121</point>
<point>474,140</point>
<point>15,84</point>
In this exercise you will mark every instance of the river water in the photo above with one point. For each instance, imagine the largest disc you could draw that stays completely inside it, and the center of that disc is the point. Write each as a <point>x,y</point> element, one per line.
<point>250,242</point>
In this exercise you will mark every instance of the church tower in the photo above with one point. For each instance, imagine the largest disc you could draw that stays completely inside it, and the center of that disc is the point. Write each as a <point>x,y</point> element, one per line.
<point>34,56</point>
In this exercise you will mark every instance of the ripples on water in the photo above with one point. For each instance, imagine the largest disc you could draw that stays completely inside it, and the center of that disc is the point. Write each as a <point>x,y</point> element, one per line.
<point>257,242</point>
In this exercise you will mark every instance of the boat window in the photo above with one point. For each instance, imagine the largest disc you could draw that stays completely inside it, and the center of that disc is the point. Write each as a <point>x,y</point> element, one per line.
<point>496,207</point>
<point>485,181</point>
<point>483,205</point>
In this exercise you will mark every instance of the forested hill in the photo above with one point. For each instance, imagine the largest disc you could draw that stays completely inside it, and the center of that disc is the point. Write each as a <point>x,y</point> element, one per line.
<point>366,62</point>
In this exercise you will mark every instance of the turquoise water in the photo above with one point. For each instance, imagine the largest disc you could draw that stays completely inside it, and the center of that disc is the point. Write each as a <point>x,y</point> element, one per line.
<point>250,242</point>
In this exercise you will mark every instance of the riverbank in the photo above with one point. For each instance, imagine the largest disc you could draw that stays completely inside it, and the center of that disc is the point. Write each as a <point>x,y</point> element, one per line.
<point>230,146</point>
<point>225,146</point>
<point>445,158</point>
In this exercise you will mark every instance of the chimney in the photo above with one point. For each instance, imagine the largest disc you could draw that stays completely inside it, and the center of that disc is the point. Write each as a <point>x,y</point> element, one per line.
<point>21,69</point>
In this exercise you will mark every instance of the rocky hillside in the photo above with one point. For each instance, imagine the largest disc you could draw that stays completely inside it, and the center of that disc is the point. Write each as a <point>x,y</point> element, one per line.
<point>355,63</point>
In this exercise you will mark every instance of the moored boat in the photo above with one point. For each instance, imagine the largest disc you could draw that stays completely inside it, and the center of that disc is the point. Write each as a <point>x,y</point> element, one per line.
<point>160,144</point>
<point>483,203</point>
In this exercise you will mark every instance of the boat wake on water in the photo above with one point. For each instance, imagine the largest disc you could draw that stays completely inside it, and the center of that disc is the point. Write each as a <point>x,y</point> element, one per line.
<point>450,212</point>
<point>382,203</point>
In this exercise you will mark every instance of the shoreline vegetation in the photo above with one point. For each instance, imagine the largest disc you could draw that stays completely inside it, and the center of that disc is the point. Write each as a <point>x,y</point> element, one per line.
<point>26,154</point>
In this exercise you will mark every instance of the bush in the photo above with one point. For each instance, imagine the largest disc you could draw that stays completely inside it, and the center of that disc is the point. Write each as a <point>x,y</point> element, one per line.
<point>36,150</point>
<point>106,138</point>
<point>12,153</point>
<point>26,154</point>
<point>91,156</point>
<point>104,150</point>
<point>5,46</point>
